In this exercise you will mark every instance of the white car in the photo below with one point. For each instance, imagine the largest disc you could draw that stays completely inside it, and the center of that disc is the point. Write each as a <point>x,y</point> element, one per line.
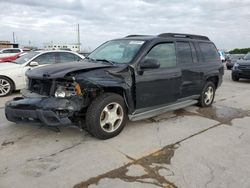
<point>12,75</point>
<point>7,52</point>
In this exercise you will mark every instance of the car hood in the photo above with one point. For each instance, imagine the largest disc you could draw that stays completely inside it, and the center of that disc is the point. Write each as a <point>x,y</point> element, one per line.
<point>244,62</point>
<point>9,66</point>
<point>61,69</point>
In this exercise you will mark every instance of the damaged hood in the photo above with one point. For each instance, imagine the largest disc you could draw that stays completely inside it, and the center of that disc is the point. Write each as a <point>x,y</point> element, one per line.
<point>61,69</point>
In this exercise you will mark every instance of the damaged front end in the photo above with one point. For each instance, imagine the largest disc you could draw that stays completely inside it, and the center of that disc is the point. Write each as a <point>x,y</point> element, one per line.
<point>51,102</point>
<point>55,99</point>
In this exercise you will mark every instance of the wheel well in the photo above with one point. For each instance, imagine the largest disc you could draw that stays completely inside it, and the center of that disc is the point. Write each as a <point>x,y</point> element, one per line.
<point>116,90</point>
<point>119,91</point>
<point>214,79</point>
<point>14,86</point>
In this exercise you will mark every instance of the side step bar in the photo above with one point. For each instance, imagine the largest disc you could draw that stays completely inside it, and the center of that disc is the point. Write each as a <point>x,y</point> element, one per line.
<point>161,110</point>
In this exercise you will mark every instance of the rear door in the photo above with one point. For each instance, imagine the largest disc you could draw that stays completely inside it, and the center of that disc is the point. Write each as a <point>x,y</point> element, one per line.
<point>155,87</point>
<point>191,70</point>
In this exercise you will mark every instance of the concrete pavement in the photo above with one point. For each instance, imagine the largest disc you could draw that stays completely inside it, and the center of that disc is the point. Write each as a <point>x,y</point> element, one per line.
<point>191,147</point>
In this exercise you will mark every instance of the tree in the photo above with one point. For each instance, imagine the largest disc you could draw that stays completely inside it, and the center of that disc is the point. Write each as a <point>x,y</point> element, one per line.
<point>240,51</point>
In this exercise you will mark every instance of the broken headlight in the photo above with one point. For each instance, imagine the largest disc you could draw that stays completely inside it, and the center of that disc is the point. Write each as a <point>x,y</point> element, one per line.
<point>66,89</point>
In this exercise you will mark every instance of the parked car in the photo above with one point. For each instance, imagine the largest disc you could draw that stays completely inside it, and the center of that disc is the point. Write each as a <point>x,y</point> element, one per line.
<point>241,68</point>
<point>9,58</point>
<point>232,58</point>
<point>10,50</point>
<point>135,77</point>
<point>12,75</point>
<point>8,54</point>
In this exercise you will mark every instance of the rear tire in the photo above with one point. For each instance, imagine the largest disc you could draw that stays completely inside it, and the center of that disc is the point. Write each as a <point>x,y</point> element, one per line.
<point>207,95</point>
<point>6,86</point>
<point>106,116</point>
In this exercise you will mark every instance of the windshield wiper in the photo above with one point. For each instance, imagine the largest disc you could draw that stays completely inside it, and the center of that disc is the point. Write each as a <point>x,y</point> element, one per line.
<point>105,60</point>
<point>90,58</point>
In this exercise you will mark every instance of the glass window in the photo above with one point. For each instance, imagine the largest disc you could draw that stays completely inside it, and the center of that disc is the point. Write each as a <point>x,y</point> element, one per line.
<point>26,57</point>
<point>184,52</point>
<point>164,53</point>
<point>117,51</point>
<point>209,52</point>
<point>247,57</point>
<point>46,58</point>
<point>7,51</point>
<point>68,57</point>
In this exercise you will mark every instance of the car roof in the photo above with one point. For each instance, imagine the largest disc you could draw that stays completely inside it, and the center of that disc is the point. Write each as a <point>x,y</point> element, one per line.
<point>168,35</point>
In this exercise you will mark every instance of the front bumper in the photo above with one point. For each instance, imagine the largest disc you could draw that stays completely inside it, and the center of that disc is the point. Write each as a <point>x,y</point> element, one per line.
<point>241,73</point>
<point>49,111</point>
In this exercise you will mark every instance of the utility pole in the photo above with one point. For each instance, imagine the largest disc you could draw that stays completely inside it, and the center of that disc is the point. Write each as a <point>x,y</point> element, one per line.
<point>78,38</point>
<point>14,41</point>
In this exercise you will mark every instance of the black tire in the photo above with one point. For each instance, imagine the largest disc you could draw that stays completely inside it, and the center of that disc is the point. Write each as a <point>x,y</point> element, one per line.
<point>202,100</point>
<point>96,110</point>
<point>3,91</point>
<point>235,78</point>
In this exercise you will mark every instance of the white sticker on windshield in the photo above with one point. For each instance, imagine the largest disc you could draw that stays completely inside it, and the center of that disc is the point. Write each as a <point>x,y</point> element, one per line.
<point>136,42</point>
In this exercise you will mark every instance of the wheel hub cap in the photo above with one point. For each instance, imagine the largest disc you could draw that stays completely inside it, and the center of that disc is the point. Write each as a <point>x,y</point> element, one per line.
<point>209,94</point>
<point>4,87</point>
<point>111,117</point>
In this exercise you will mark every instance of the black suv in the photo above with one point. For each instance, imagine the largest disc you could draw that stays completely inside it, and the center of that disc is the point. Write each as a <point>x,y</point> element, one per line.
<point>241,68</point>
<point>135,77</point>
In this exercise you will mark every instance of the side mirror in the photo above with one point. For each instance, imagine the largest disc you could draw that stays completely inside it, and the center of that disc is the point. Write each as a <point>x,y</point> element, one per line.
<point>34,64</point>
<point>149,64</point>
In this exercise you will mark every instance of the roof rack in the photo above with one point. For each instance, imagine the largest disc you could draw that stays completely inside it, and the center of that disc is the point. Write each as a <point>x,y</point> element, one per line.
<point>137,36</point>
<point>181,35</point>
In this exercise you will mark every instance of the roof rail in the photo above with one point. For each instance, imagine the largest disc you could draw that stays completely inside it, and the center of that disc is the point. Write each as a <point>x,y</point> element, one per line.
<point>137,36</point>
<point>181,35</point>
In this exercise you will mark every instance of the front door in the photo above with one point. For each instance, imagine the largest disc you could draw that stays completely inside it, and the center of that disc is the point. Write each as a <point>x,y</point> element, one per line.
<point>160,86</point>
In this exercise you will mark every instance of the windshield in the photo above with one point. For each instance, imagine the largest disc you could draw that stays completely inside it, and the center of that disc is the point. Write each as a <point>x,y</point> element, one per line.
<point>117,51</point>
<point>25,58</point>
<point>247,57</point>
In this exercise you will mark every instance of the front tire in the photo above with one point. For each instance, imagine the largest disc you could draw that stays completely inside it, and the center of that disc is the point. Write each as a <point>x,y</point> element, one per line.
<point>207,95</point>
<point>6,86</point>
<point>235,78</point>
<point>106,116</point>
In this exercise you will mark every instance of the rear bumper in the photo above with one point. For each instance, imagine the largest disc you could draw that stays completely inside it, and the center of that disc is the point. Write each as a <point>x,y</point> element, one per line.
<point>49,111</point>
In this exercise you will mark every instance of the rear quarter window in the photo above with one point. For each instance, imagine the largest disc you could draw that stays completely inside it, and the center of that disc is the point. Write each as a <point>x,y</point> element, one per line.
<point>209,52</point>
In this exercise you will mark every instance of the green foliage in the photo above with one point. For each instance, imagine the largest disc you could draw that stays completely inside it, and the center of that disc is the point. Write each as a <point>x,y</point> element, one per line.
<point>240,51</point>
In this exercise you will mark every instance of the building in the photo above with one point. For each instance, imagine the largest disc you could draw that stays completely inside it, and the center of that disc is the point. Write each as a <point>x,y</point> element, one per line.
<point>8,44</point>
<point>53,46</point>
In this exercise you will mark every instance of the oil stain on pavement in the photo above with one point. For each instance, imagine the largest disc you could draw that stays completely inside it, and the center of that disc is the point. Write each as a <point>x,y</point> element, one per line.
<point>151,164</point>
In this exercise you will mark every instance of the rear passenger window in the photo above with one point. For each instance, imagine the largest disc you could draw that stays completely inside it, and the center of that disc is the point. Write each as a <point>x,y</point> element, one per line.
<point>184,53</point>
<point>208,51</point>
<point>164,53</point>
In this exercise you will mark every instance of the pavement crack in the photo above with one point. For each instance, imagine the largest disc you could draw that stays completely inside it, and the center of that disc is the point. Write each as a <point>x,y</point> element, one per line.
<point>150,163</point>
<point>211,171</point>
<point>65,149</point>
<point>162,156</point>
<point>158,136</point>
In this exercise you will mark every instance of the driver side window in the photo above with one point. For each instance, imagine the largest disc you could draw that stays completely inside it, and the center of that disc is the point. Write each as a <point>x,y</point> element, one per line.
<point>164,53</point>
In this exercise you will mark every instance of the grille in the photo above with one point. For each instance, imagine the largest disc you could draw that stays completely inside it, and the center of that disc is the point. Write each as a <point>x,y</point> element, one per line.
<point>42,87</point>
<point>244,67</point>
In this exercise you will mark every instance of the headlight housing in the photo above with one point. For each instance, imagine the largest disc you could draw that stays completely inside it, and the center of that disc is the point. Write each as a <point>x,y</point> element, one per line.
<point>67,89</point>
<point>236,65</point>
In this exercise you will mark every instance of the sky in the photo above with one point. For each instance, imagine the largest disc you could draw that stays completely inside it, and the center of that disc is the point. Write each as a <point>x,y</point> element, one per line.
<point>225,22</point>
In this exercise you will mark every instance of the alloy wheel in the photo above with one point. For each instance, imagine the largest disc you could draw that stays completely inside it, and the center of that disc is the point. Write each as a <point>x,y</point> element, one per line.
<point>111,117</point>
<point>4,87</point>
